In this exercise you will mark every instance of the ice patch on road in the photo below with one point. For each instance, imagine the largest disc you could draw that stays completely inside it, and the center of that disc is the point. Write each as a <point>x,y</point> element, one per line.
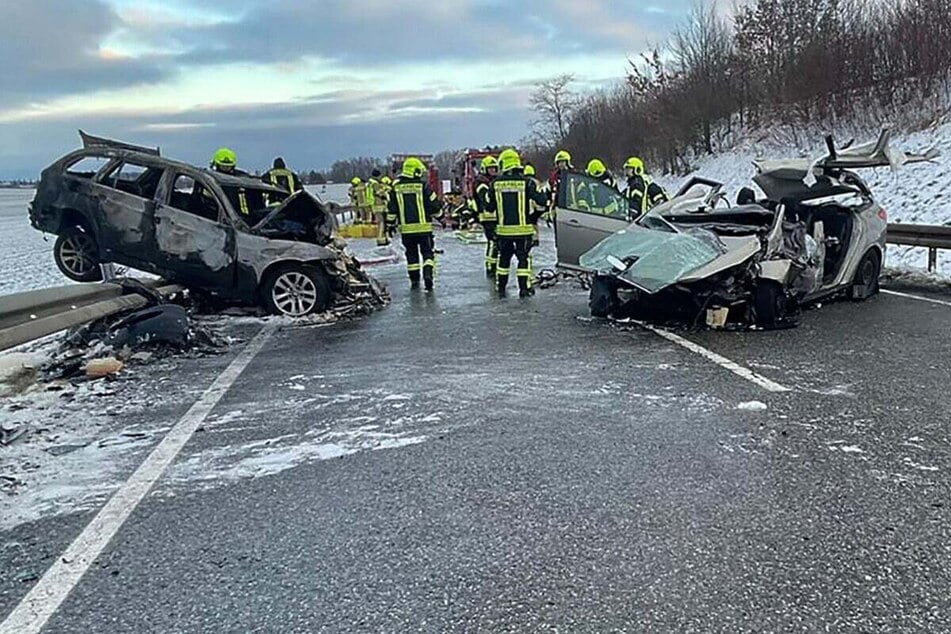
<point>274,455</point>
<point>752,406</point>
<point>914,465</point>
<point>846,448</point>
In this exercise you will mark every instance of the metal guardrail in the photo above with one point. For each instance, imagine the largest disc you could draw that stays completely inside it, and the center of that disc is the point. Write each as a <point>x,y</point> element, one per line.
<point>32,315</point>
<point>932,237</point>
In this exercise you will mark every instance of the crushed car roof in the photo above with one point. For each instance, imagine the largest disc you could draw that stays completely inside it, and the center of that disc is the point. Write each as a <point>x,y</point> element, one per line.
<point>91,142</point>
<point>877,153</point>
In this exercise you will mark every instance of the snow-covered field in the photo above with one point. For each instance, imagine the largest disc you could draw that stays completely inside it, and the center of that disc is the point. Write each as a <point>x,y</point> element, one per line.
<point>915,194</point>
<point>26,256</point>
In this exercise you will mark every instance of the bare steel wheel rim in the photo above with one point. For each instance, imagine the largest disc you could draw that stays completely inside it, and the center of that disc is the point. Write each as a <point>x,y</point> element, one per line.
<point>294,294</point>
<point>76,254</point>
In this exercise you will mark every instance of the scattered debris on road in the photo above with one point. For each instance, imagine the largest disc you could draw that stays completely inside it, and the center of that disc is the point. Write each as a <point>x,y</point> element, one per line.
<point>547,278</point>
<point>752,406</point>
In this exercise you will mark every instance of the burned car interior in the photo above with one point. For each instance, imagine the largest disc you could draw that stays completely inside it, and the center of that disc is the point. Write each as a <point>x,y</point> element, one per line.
<point>236,238</point>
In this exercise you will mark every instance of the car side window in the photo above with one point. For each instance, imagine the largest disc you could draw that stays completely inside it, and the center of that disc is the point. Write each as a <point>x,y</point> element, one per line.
<point>588,195</point>
<point>190,196</point>
<point>134,178</point>
<point>87,166</point>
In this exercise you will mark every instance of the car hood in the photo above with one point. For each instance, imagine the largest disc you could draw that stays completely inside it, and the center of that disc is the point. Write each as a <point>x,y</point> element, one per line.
<point>659,259</point>
<point>300,217</point>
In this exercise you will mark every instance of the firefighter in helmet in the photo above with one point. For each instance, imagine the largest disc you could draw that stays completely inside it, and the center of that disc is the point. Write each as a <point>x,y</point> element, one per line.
<point>412,207</point>
<point>488,170</point>
<point>510,197</point>
<point>642,192</point>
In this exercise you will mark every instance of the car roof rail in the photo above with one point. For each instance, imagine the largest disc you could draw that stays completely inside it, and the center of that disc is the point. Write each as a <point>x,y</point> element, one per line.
<point>90,142</point>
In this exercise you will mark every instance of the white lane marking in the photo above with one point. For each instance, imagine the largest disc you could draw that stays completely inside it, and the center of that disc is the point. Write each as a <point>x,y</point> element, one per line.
<point>917,297</point>
<point>721,361</point>
<point>42,601</point>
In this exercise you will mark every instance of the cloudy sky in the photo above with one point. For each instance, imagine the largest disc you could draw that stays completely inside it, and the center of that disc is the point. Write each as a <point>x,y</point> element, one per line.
<point>314,81</point>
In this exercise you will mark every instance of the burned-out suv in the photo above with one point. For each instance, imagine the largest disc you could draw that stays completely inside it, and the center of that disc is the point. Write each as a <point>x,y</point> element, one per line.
<point>233,237</point>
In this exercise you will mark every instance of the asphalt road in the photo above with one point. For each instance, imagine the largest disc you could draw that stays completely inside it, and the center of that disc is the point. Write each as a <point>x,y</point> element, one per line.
<point>509,465</point>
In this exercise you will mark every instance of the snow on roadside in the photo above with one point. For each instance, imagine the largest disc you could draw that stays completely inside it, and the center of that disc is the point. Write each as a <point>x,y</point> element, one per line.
<point>918,194</point>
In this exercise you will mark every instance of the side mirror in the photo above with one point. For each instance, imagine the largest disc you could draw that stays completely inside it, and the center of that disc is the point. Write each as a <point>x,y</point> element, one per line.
<point>617,263</point>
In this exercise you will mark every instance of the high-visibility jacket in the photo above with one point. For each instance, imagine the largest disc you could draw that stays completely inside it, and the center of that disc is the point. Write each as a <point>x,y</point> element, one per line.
<point>481,194</point>
<point>643,193</point>
<point>413,206</point>
<point>377,195</point>
<point>510,197</point>
<point>283,178</point>
<point>358,195</point>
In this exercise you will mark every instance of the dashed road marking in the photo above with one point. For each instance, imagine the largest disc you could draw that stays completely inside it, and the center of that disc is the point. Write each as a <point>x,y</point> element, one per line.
<point>720,360</point>
<point>42,601</point>
<point>916,297</point>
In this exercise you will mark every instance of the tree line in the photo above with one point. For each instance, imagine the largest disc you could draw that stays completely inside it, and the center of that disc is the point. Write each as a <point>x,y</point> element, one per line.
<point>790,63</point>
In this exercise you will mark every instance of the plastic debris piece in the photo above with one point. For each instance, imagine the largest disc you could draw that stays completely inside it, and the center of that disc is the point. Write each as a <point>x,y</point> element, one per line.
<point>99,368</point>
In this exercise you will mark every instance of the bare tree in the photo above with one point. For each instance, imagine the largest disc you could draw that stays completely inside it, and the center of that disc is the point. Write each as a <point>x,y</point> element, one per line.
<point>554,104</point>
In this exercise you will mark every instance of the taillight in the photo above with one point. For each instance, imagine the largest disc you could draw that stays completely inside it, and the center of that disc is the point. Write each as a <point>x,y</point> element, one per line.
<point>883,214</point>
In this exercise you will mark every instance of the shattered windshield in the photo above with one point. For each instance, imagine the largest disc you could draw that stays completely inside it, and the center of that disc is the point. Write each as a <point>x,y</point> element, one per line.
<point>656,259</point>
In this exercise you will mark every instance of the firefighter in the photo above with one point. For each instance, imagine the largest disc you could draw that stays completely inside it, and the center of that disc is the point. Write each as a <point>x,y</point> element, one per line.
<point>488,171</point>
<point>387,192</point>
<point>412,207</point>
<point>596,169</point>
<point>280,176</point>
<point>283,178</point>
<point>642,192</point>
<point>225,161</point>
<point>563,165</point>
<point>529,170</point>
<point>377,197</point>
<point>510,197</point>
<point>358,198</point>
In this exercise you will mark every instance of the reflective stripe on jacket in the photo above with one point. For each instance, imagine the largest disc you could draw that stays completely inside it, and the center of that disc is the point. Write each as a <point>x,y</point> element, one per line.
<point>413,206</point>
<point>509,198</point>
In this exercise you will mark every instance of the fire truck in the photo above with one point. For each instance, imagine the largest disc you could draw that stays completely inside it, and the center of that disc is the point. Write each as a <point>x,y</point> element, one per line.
<point>396,166</point>
<point>467,167</point>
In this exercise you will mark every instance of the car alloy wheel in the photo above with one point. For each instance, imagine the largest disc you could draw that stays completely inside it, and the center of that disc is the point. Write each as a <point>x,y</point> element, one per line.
<point>294,294</point>
<point>77,254</point>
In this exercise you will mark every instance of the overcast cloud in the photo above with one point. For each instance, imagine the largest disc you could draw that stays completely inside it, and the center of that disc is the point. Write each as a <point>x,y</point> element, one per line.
<point>354,77</point>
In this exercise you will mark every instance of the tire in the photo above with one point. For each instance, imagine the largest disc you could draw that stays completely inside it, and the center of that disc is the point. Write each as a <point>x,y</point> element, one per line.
<point>296,290</point>
<point>77,255</point>
<point>772,307</point>
<point>866,281</point>
<point>603,299</point>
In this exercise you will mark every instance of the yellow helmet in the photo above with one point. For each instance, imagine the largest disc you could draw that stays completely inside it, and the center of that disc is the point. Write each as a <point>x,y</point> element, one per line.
<point>562,155</point>
<point>413,168</point>
<point>355,180</point>
<point>635,164</point>
<point>529,170</point>
<point>225,157</point>
<point>509,160</point>
<point>596,168</point>
<point>489,162</point>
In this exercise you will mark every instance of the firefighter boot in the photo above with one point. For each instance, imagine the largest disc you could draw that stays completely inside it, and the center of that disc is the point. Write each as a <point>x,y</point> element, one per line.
<point>524,288</point>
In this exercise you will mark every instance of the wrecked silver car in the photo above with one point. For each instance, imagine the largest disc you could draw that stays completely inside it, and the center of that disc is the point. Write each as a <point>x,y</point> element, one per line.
<point>696,259</point>
<point>236,238</point>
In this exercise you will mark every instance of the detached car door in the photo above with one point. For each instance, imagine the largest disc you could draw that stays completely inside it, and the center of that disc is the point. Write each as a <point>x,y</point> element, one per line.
<point>588,211</point>
<point>193,241</point>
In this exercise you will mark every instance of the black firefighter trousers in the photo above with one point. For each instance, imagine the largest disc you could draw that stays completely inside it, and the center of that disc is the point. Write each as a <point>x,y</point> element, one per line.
<point>420,255</point>
<point>519,248</point>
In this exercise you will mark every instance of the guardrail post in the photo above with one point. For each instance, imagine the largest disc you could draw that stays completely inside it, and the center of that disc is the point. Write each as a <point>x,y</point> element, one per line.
<point>932,260</point>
